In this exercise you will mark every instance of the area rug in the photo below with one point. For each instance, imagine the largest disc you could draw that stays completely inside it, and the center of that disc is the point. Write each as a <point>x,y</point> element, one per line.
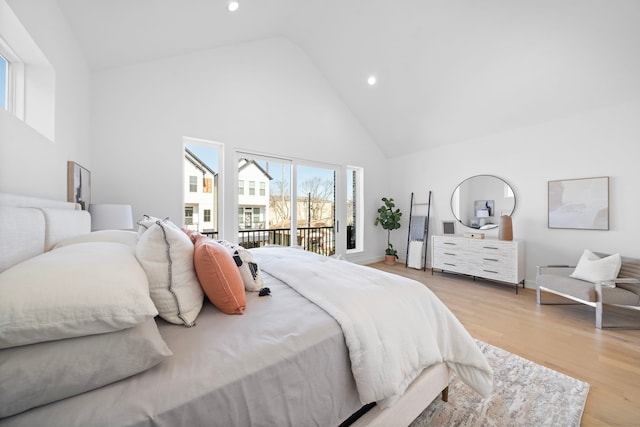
<point>524,394</point>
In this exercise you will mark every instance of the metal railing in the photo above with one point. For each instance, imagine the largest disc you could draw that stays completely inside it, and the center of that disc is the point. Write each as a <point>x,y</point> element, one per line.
<point>320,240</point>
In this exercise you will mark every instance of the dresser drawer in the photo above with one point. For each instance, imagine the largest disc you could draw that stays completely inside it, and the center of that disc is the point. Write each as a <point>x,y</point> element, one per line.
<point>451,261</point>
<point>449,245</point>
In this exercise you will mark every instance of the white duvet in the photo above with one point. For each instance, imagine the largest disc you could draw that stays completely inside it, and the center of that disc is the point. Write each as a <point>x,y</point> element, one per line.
<point>394,327</point>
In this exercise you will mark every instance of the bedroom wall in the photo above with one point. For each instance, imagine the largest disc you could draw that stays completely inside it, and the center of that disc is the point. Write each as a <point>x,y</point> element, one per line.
<point>264,96</point>
<point>31,163</point>
<point>602,142</point>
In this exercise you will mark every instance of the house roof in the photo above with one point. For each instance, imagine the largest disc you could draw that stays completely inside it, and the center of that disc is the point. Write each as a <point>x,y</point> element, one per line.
<point>247,163</point>
<point>197,162</point>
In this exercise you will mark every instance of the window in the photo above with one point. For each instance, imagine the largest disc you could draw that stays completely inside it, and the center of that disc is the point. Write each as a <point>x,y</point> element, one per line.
<point>28,79</point>
<point>4,83</point>
<point>299,207</point>
<point>241,187</point>
<point>188,215</point>
<point>207,185</point>
<point>262,188</point>
<point>354,211</point>
<point>201,163</point>
<point>11,76</point>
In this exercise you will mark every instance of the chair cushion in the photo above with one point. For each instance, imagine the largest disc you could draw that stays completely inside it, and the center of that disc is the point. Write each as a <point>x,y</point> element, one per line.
<point>620,296</point>
<point>585,291</point>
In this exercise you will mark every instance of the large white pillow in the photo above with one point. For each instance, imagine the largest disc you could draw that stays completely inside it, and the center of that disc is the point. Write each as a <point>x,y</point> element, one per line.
<point>592,268</point>
<point>76,290</point>
<point>36,374</point>
<point>166,254</point>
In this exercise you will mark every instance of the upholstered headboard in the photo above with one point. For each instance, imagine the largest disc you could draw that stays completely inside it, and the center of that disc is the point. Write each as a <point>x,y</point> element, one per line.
<point>30,226</point>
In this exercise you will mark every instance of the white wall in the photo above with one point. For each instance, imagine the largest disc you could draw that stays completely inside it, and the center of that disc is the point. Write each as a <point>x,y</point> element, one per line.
<point>30,163</point>
<point>265,96</point>
<point>602,142</point>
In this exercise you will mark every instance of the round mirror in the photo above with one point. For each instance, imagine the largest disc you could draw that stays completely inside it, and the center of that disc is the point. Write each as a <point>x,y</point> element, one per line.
<point>479,201</point>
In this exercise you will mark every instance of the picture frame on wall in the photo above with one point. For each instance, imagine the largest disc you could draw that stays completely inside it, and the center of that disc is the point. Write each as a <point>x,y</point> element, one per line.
<point>581,203</point>
<point>78,185</point>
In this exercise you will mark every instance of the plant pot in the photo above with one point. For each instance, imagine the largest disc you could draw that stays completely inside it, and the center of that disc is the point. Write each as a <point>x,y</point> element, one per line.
<point>389,259</point>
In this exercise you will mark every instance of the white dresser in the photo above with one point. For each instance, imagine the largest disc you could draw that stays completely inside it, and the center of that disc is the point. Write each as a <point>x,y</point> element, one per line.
<point>492,259</point>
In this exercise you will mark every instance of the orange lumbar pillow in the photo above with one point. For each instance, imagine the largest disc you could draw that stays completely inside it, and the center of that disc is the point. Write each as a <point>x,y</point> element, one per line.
<point>219,276</point>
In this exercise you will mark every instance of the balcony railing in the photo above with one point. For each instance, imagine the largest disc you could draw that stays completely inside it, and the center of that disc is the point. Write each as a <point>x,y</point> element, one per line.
<point>320,240</point>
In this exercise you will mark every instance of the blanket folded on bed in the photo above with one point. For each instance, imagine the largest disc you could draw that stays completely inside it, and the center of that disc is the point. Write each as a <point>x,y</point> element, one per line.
<point>394,327</point>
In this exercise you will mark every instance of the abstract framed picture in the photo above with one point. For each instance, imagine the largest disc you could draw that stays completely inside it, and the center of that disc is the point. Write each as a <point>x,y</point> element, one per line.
<point>448,227</point>
<point>78,185</point>
<point>581,203</point>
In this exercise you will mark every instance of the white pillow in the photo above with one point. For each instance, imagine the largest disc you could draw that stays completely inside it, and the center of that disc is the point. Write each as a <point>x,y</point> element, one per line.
<point>129,238</point>
<point>249,271</point>
<point>76,290</point>
<point>63,224</point>
<point>592,268</point>
<point>166,254</point>
<point>33,375</point>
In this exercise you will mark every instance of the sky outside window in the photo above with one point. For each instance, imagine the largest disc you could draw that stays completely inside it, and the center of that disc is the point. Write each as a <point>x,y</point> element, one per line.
<point>3,82</point>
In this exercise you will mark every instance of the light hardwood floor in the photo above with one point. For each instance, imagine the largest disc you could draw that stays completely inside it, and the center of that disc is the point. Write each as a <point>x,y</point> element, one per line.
<point>561,337</point>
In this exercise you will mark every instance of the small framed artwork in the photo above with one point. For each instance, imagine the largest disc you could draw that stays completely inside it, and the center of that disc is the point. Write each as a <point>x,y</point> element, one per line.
<point>579,203</point>
<point>448,227</point>
<point>78,185</point>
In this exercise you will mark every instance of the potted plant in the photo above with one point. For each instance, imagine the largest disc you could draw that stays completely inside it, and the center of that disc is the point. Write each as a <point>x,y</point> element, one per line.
<point>389,218</point>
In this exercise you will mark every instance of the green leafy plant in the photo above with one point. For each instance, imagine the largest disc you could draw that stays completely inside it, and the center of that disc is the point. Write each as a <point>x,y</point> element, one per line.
<point>389,218</point>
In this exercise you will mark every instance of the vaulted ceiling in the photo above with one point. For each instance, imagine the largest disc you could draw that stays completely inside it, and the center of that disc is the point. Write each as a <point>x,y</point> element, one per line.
<point>447,70</point>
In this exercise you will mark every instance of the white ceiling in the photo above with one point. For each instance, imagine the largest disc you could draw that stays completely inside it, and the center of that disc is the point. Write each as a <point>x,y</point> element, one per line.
<point>448,70</point>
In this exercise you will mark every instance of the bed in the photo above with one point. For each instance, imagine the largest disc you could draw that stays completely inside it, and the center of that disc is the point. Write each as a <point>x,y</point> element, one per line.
<point>298,356</point>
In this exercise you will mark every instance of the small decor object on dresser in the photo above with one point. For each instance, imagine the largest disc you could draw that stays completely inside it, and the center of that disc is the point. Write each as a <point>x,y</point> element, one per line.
<point>505,232</point>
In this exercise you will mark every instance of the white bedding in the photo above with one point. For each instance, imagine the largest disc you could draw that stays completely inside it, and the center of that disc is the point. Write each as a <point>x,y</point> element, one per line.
<point>409,330</point>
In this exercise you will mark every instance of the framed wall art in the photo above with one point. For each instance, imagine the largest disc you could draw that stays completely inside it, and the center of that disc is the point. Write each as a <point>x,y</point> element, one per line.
<point>579,203</point>
<point>78,185</point>
<point>448,227</point>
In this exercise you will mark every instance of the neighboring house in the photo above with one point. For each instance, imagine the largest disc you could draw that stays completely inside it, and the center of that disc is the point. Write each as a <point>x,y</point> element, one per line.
<point>200,194</point>
<point>253,195</point>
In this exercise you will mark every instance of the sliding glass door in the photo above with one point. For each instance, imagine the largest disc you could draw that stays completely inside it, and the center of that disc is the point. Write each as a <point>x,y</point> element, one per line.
<point>286,202</point>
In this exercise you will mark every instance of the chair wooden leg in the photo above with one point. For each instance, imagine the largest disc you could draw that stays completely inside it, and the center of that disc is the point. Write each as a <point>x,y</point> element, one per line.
<point>445,394</point>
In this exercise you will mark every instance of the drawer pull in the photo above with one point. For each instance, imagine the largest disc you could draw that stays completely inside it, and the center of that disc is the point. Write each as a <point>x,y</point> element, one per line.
<point>452,265</point>
<point>449,253</point>
<point>449,243</point>
<point>490,271</point>
<point>490,247</point>
<point>490,259</point>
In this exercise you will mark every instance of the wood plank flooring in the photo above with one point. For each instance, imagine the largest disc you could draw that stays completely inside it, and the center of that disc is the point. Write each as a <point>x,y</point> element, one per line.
<point>561,337</point>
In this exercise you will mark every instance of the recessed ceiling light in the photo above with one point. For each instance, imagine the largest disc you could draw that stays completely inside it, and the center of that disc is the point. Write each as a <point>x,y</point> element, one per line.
<point>232,6</point>
<point>372,80</point>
